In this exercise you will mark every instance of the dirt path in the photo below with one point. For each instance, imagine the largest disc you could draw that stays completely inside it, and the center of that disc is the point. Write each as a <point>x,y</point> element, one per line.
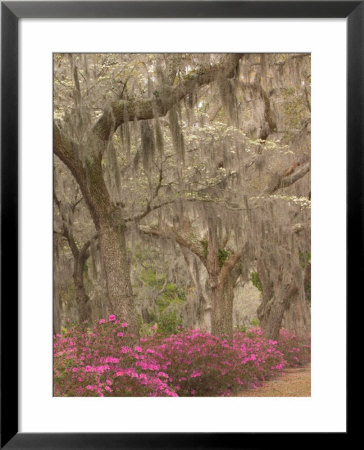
<point>294,383</point>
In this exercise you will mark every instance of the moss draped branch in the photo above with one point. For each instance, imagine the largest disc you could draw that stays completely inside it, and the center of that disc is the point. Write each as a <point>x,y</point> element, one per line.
<point>289,177</point>
<point>195,246</point>
<point>131,110</point>
<point>148,108</point>
<point>181,238</point>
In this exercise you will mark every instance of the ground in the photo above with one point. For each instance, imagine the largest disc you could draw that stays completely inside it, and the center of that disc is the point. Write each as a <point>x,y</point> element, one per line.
<point>294,383</point>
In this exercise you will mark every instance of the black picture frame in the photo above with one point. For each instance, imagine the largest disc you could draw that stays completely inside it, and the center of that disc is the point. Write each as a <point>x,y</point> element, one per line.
<point>11,12</point>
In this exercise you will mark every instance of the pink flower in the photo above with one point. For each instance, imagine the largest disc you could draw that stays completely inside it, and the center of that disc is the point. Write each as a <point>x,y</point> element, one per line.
<point>107,388</point>
<point>102,321</point>
<point>124,324</point>
<point>120,334</point>
<point>110,359</point>
<point>162,374</point>
<point>138,349</point>
<point>111,317</point>
<point>195,374</point>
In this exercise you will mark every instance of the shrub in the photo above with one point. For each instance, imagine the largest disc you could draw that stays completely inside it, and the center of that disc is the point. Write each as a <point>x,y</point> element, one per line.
<point>100,361</point>
<point>296,351</point>
<point>200,364</point>
<point>254,322</point>
<point>169,322</point>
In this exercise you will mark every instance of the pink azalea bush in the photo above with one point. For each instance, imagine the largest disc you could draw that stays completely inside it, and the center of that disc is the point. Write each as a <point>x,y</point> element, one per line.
<point>102,362</point>
<point>200,364</point>
<point>98,362</point>
<point>296,351</point>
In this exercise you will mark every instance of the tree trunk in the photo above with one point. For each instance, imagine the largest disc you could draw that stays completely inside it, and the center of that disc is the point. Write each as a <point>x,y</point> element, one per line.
<point>284,294</point>
<point>79,260</point>
<point>110,226</point>
<point>82,299</point>
<point>274,321</point>
<point>56,312</point>
<point>222,297</point>
<point>283,300</point>
<point>117,271</point>
<point>263,310</point>
<point>297,318</point>
<point>197,313</point>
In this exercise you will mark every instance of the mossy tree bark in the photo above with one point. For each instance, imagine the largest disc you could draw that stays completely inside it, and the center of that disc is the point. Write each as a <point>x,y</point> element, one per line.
<point>298,314</point>
<point>283,301</point>
<point>222,295</point>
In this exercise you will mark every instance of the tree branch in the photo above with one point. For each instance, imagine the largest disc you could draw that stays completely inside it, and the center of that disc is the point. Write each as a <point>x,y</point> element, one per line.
<point>148,209</point>
<point>286,179</point>
<point>159,104</point>
<point>66,150</point>
<point>181,238</point>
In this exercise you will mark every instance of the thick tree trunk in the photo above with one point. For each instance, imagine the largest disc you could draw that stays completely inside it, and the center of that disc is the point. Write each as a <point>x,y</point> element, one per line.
<point>117,271</point>
<point>284,303</point>
<point>110,226</point>
<point>284,291</point>
<point>222,310</point>
<point>297,317</point>
<point>222,296</point>
<point>197,313</point>
<point>274,321</point>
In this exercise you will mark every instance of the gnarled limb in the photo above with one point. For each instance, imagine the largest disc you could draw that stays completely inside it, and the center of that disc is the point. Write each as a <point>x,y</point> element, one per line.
<point>182,239</point>
<point>287,178</point>
<point>148,108</point>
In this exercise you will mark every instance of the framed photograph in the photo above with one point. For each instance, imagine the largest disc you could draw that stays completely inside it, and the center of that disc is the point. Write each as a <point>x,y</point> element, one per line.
<point>191,242</point>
